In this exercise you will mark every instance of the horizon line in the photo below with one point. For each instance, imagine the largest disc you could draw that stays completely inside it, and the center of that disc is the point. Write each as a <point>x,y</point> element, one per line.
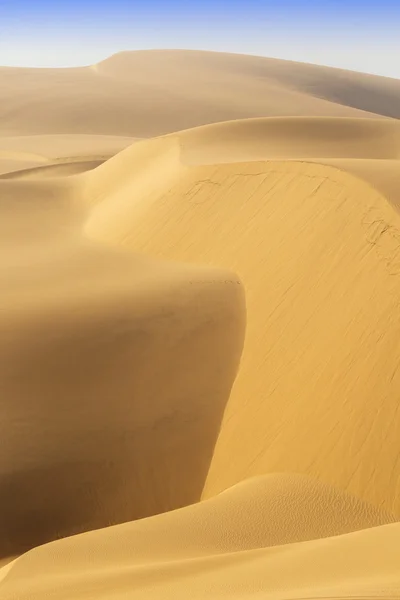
<point>197,50</point>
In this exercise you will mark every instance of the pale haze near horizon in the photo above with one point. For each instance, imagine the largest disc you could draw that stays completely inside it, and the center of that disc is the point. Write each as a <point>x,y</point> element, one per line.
<point>381,62</point>
<point>355,42</point>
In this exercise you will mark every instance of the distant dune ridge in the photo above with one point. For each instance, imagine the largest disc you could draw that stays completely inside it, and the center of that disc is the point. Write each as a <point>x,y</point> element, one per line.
<point>148,93</point>
<point>199,331</point>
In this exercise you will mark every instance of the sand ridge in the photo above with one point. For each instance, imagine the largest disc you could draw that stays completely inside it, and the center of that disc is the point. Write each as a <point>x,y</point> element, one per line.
<point>216,86</point>
<point>244,215</point>
<point>85,316</point>
<point>198,332</point>
<point>53,155</point>
<point>196,548</point>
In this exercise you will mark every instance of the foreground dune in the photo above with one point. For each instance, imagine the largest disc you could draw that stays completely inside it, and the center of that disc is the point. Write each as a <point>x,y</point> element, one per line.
<point>299,235</point>
<point>258,539</point>
<point>199,332</point>
<point>112,366</point>
<point>127,367</point>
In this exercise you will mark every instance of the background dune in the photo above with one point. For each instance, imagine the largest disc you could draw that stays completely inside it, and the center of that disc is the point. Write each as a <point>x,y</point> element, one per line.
<point>56,154</point>
<point>216,86</point>
<point>204,325</point>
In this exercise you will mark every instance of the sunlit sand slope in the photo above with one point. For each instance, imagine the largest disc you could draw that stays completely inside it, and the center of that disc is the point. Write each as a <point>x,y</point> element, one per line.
<point>258,539</point>
<point>206,320</point>
<point>368,148</point>
<point>317,251</point>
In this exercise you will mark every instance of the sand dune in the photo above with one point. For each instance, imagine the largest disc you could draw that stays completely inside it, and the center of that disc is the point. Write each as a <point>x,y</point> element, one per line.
<point>199,332</point>
<point>61,169</point>
<point>311,231</point>
<point>89,340</point>
<point>353,145</point>
<point>368,148</point>
<point>291,137</point>
<point>63,146</point>
<point>75,316</point>
<point>54,155</point>
<point>216,87</point>
<point>230,545</point>
<point>25,154</point>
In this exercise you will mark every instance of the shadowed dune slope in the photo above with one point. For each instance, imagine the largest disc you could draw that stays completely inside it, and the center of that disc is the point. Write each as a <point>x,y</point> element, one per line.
<point>199,337</point>
<point>269,536</point>
<point>115,372</point>
<point>291,137</point>
<point>216,86</point>
<point>317,250</point>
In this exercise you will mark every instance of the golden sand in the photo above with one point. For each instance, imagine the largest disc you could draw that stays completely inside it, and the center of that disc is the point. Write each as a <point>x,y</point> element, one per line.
<point>199,331</point>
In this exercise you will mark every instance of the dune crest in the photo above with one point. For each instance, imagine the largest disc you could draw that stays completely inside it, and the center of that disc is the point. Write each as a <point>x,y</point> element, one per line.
<point>305,315</point>
<point>199,331</point>
<point>127,365</point>
<point>216,86</point>
<point>232,543</point>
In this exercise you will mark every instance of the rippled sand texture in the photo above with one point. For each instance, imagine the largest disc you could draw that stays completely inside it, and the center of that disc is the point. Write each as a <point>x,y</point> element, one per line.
<point>199,331</point>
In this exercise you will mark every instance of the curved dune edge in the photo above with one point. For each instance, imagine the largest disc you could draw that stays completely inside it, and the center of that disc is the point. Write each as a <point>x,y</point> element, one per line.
<point>290,137</point>
<point>37,156</point>
<point>315,395</point>
<point>288,81</point>
<point>216,86</point>
<point>367,148</point>
<point>258,535</point>
<point>312,230</point>
<point>53,170</point>
<point>140,355</point>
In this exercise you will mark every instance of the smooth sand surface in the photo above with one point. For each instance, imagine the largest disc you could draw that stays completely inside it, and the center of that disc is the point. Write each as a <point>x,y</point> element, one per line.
<point>199,332</point>
<point>148,93</point>
<point>54,155</point>
<point>115,369</point>
<point>315,543</point>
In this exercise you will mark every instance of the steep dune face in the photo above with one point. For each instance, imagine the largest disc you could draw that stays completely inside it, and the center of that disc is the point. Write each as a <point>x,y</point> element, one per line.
<point>318,377</point>
<point>115,372</point>
<point>95,432</point>
<point>216,86</point>
<point>206,320</point>
<point>367,148</point>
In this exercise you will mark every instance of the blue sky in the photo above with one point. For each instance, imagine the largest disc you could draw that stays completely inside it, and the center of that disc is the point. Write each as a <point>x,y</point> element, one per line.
<point>351,34</point>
